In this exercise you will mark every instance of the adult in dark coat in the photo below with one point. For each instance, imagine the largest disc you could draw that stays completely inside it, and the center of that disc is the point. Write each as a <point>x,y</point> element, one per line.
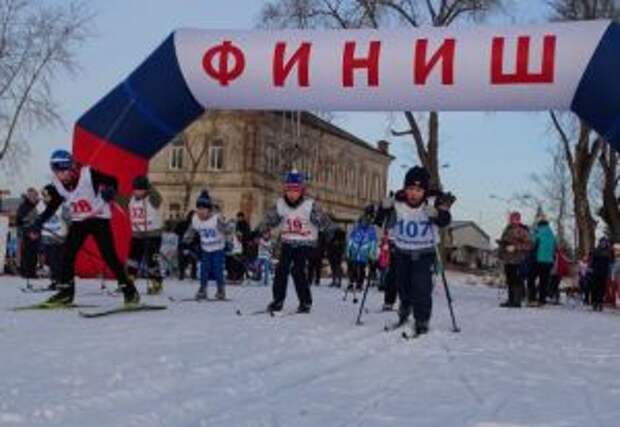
<point>26,216</point>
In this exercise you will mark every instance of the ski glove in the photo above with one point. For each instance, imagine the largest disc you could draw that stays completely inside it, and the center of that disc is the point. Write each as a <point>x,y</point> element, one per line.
<point>445,200</point>
<point>107,193</point>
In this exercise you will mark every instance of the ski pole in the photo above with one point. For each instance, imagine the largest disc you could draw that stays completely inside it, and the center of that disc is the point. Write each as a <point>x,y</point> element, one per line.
<point>440,267</point>
<point>359,315</point>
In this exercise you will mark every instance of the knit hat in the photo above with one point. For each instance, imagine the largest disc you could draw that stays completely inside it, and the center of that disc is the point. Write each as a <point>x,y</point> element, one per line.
<point>204,200</point>
<point>417,176</point>
<point>514,218</point>
<point>140,183</point>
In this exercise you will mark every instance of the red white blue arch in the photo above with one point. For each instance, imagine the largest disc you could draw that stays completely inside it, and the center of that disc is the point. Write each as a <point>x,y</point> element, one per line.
<point>568,66</point>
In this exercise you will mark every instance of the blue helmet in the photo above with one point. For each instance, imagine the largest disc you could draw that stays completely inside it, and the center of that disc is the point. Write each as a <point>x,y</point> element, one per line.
<point>294,180</point>
<point>61,160</point>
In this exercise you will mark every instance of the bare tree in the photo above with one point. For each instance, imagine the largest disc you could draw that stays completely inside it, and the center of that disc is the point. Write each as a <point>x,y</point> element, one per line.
<point>196,145</point>
<point>554,188</point>
<point>610,211</point>
<point>37,42</point>
<point>346,14</point>
<point>581,144</point>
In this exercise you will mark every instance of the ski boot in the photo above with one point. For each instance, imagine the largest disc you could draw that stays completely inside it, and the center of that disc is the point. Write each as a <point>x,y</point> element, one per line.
<point>201,295</point>
<point>220,294</point>
<point>130,293</point>
<point>304,308</point>
<point>387,307</point>
<point>64,296</point>
<point>421,327</point>
<point>154,286</point>
<point>274,307</point>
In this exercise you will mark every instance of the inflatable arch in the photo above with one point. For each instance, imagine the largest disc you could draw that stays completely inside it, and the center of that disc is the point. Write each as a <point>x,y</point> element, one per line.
<point>564,66</point>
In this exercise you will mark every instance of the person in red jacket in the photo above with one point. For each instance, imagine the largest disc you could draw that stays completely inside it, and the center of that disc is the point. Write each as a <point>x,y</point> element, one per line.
<point>561,269</point>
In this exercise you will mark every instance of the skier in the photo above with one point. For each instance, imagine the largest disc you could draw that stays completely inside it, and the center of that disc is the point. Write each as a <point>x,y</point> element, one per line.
<point>265,253</point>
<point>300,219</point>
<point>146,227</point>
<point>211,227</point>
<point>335,251</point>
<point>414,225</point>
<point>53,235</point>
<point>88,194</point>
<point>361,250</point>
<point>514,246</point>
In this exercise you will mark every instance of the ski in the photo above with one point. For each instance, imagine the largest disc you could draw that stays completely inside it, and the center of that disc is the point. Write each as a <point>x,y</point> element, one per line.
<point>269,312</point>
<point>36,290</point>
<point>410,335</point>
<point>389,327</point>
<point>193,299</point>
<point>286,313</point>
<point>52,306</point>
<point>255,313</point>
<point>129,308</point>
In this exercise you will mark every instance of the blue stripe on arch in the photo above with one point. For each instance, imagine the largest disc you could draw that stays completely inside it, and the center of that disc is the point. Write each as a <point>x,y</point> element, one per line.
<point>597,99</point>
<point>145,112</point>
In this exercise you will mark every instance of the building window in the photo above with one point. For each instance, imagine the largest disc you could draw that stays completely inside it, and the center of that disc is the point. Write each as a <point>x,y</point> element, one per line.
<point>177,155</point>
<point>376,192</point>
<point>174,211</point>
<point>271,160</point>
<point>216,155</point>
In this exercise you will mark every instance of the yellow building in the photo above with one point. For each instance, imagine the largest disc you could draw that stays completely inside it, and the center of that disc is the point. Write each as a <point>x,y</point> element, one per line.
<point>241,157</point>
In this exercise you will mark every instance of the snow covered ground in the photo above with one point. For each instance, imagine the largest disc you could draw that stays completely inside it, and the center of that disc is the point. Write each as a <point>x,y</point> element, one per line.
<point>202,365</point>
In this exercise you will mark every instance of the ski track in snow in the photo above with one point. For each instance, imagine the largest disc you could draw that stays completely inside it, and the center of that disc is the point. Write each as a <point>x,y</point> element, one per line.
<point>202,365</point>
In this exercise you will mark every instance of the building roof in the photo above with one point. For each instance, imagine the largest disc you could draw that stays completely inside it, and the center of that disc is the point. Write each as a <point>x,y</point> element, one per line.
<point>462,224</point>
<point>315,121</point>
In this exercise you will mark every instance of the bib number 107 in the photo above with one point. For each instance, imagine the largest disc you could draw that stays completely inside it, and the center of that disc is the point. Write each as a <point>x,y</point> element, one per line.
<point>413,229</point>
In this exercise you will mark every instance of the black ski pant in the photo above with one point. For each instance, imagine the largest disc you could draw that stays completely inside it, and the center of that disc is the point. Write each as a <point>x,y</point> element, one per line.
<point>314,270</point>
<point>514,280</point>
<point>54,254</point>
<point>540,272</point>
<point>145,251</point>
<point>184,260</point>
<point>101,231</point>
<point>335,265</point>
<point>598,288</point>
<point>293,260</point>
<point>554,287</point>
<point>29,256</point>
<point>415,277</point>
<point>391,286</point>
<point>358,275</point>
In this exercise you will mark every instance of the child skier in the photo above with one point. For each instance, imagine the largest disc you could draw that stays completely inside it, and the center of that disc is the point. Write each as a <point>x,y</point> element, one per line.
<point>300,219</point>
<point>88,194</point>
<point>413,225</point>
<point>361,250</point>
<point>53,235</point>
<point>265,253</point>
<point>146,227</point>
<point>210,225</point>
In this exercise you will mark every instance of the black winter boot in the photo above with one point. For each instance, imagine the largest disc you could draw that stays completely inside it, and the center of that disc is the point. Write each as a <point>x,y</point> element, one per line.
<point>65,294</point>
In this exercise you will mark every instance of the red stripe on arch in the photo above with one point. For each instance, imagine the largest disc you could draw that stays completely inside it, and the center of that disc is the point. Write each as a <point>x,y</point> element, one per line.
<point>89,149</point>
